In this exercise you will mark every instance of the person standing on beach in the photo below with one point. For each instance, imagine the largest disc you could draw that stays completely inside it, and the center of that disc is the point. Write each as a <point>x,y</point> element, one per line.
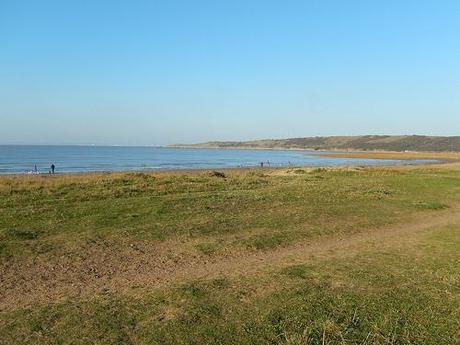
<point>52,168</point>
<point>35,169</point>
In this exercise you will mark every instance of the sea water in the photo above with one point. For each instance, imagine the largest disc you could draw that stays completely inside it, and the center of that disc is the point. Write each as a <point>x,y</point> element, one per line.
<point>16,159</point>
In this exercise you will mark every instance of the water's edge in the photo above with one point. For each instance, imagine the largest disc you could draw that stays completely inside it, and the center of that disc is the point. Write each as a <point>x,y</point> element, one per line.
<point>80,159</point>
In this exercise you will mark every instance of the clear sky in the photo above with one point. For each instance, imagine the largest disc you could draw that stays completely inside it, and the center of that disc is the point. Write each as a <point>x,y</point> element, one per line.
<point>161,72</point>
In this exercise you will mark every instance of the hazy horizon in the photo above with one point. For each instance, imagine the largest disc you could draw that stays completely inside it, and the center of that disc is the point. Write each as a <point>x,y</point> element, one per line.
<point>207,141</point>
<point>144,73</point>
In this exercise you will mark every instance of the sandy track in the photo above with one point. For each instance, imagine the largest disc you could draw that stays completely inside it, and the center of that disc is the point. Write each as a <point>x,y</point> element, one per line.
<point>100,267</point>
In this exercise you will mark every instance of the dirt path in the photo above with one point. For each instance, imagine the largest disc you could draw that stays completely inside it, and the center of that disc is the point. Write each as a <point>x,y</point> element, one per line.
<point>103,266</point>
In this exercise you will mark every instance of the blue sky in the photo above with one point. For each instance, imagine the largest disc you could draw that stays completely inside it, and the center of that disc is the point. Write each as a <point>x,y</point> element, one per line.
<point>162,72</point>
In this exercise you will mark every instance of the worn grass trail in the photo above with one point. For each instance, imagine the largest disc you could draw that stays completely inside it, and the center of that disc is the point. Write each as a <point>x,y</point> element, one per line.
<point>298,256</point>
<point>141,267</point>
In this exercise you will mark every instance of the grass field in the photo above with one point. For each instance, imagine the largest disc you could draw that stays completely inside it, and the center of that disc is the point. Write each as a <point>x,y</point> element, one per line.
<point>284,256</point>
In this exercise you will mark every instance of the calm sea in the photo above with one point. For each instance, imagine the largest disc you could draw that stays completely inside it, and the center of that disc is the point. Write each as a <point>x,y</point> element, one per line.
<point>21,159</point>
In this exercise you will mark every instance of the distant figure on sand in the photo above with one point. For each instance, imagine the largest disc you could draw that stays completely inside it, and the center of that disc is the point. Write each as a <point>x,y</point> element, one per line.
<point>52,168</point>
<point>35,169</point>
<point>261,164</point>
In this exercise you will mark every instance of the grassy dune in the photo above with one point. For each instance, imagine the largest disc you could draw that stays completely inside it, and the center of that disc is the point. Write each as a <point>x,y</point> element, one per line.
<point>286,256</point>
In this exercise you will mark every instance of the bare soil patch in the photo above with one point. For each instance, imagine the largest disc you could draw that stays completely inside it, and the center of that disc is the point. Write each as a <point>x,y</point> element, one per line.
<point>134,267</point>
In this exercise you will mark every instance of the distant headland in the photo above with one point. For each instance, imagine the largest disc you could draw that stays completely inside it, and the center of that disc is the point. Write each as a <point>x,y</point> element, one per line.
<point>399,143</point>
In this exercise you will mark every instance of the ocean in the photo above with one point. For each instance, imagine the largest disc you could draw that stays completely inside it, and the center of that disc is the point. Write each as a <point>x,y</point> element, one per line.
<point>16,159</point>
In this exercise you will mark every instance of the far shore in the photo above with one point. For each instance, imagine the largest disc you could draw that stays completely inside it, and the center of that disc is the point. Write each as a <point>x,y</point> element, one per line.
<point>444,157</point>
<point>342,153</point>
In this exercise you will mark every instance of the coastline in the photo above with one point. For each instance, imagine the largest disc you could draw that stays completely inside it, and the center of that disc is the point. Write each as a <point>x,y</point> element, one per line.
<point>237,170</point>
<point>402,158</point>
<point>341,153</point>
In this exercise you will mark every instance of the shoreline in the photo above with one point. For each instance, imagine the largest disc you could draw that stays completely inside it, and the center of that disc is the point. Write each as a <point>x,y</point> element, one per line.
<point>320,151</point>
<point>440,156</point>
<point>187,171</point>
<point>406,159</point>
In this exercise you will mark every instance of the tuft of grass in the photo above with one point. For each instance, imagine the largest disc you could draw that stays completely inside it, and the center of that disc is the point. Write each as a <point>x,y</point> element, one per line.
<point>296,271</point>
<point>207,248</point>
<point>431,205</point>
<point>218,174</point>
<point>319,170</point>
<point>266,241</point>
<point>300,171</point>
<point>194,290</point>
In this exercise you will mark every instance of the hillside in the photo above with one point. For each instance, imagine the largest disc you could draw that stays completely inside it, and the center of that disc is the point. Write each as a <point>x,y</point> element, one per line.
<point>366,142</point>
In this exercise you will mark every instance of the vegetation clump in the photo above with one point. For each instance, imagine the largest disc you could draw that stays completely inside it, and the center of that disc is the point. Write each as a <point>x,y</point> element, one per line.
<point>218,174</point>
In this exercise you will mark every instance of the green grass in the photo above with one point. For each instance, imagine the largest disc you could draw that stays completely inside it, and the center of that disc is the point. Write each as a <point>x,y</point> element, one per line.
<point>399,295</point>
<point>207,248</point>
<point>46,213</point>
<point>432,205</point>
<point>403,291</point>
